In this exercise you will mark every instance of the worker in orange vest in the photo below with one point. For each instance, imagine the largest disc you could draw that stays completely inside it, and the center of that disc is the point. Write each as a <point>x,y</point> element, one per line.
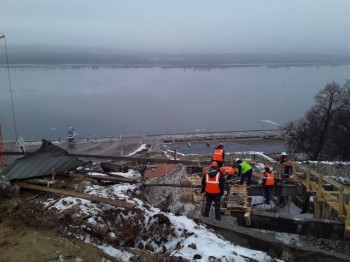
<point>268,183</point>
<point>228,170</point>
<point>229,173</point>
<point>213,183</point>
<point>219,155</point>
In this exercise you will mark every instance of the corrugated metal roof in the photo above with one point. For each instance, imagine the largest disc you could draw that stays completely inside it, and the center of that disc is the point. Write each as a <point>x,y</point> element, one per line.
<point>42,162</point>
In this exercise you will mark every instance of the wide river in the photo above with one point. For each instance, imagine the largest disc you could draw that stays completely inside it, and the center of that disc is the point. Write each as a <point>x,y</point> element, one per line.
<point>104,101</point>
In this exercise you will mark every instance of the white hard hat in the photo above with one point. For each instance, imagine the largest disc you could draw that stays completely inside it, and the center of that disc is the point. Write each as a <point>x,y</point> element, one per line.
<point>283,154</point>
<point>237,159</point>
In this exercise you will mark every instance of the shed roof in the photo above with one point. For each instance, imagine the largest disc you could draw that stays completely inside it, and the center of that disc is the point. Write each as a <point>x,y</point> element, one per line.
<point>43,162</point>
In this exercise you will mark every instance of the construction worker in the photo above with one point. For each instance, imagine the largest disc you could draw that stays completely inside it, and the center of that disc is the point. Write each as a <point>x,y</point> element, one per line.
<point>229,173</point>
<point>268,183</point>
<point>244,171</point>
<point>287,165</point>
<point>219,155</point>
<point>213,184</point>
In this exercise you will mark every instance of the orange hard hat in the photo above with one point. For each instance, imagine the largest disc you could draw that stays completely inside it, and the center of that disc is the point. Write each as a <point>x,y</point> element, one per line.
<point>214,163</point>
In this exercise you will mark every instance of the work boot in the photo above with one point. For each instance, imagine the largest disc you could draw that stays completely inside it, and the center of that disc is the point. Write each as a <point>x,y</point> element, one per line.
<point>218,218</point>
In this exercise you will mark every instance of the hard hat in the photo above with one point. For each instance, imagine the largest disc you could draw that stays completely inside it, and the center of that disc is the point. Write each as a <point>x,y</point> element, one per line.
<point>237,159</point>
<point>267,166</point>
<point>221,144</point>
<point>283,154</point>
<point>214,164</point>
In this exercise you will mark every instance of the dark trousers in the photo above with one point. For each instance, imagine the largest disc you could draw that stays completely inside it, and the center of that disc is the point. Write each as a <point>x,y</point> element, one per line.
<point>208,200</point>
<point>246,176</point>
<point>267,194</point>
<point>220,163</point>
<point>287,172</point>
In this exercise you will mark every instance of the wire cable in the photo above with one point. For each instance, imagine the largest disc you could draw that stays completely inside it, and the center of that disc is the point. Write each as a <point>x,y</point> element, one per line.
<point>10,85</point>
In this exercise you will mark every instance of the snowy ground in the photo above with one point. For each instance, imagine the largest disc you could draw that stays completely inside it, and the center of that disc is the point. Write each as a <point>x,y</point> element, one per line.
<point>190,240</point>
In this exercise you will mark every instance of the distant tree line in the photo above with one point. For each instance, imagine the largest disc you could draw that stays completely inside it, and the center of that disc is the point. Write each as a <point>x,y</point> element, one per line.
<point>324,132</point>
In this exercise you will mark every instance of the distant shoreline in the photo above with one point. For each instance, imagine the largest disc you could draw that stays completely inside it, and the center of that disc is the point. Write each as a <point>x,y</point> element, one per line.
<point>190,66</point>
<point>80,57</point>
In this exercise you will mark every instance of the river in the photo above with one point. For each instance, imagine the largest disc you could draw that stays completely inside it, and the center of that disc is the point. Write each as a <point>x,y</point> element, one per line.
<point>106,101</point>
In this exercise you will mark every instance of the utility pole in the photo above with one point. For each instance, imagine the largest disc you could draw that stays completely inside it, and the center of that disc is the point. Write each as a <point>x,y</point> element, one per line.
<point>2,36</point>
<point>2,149</point>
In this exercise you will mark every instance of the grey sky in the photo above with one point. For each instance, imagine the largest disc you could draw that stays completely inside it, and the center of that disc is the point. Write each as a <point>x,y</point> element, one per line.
<point>181,25</point>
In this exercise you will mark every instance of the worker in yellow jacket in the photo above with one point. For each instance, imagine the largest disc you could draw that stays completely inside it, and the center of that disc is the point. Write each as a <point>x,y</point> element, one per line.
<point>245,171</point>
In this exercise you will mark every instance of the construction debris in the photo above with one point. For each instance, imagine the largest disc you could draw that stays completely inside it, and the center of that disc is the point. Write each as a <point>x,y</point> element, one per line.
<point>106,208</point>
<point>48,159</point>
<point>6,189</point>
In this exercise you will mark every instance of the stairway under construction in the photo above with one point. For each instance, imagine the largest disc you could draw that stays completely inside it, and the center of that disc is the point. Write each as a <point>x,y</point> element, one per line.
<point>238,200</point>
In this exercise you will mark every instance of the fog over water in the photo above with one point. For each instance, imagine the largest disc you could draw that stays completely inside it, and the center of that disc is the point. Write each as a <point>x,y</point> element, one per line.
<point>116,101</point>
<point>175,26</point>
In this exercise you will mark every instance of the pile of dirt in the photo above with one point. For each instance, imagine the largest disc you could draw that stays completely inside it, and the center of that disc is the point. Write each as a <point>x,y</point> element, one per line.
<point>29,221</point>
<point>24,243</point>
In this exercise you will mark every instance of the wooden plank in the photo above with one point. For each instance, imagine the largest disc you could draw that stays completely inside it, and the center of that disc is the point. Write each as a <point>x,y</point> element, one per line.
<point>341,201</point>
<point>247,219</point>
<point>326,211</point>
<point>308,180</point>
<point>138,159</point>
<point>171,185</point>
<point>317,209</point>
<point>234,207</point>
<point>347,222</point>
<point>319,188</point>
<point>92,198</point>
<point>241,210</point>
<point>334,192</point>
<point>113,178</point>
<point>40,181</point>
<point>326,179</point>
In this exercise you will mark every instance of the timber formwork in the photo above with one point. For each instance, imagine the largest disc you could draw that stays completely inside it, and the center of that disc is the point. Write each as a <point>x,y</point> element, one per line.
<point>327,204</point>
<point>238,200</point>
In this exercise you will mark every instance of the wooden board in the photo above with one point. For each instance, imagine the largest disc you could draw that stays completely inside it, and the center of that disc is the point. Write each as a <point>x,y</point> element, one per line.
<point>92,198</point>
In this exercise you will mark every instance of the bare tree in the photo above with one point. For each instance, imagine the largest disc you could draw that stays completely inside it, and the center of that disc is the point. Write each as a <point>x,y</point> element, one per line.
<point>316,134</point>
<point>338,145</point>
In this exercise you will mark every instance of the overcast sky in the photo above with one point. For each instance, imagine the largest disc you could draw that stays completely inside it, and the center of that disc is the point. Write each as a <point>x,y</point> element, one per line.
<point>181,25</point>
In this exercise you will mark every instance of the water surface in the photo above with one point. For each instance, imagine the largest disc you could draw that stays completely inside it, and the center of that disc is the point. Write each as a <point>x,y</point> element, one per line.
<point>101,101</point>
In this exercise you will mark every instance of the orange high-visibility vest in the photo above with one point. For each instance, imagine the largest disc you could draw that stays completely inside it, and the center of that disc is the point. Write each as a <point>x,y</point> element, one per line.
<point>270,178</point>
<point>227,170</point>
<point>212,184</point>
<point>218,154</point>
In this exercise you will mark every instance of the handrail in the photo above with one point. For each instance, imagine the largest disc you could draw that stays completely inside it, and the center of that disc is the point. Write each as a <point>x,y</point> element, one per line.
<point>312,172</point>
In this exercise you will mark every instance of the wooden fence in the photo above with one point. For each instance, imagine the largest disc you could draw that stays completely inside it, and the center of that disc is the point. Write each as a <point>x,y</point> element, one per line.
<point>328,204</point>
